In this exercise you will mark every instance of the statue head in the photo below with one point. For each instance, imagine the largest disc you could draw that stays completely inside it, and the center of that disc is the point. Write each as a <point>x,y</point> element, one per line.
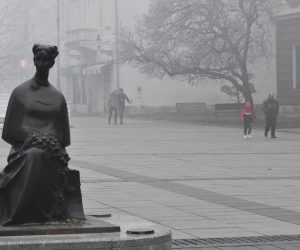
<point>44,56</point>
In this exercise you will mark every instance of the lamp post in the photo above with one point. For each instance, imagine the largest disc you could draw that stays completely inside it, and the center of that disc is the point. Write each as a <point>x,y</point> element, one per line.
<point>117,68</point>
<point>101,60</point>
<point>58,81</point>
<point>98,45</point>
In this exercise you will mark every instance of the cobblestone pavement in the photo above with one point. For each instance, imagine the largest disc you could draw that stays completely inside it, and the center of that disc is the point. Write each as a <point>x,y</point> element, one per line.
<point>198,181</point>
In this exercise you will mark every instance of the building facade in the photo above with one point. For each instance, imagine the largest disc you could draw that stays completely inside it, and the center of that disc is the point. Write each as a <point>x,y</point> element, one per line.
<point>288,58</point>
<point>84,31</point>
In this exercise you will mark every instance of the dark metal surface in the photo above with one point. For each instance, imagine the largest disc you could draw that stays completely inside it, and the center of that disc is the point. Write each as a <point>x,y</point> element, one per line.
<point>140,231</point>
<point>37,186</point>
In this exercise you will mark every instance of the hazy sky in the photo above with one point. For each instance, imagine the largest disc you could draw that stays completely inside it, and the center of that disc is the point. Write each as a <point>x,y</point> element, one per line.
<point>130,9</point>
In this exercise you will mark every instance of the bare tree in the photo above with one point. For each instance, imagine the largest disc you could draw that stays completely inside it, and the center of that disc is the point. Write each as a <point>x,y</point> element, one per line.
<point>10,44</point>
<point>234,95</point>
<point>198,39</point>
<point>293,3</point>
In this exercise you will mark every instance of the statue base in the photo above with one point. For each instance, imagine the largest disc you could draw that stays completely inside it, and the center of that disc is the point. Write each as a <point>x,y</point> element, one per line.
<point>90,225</point>
<point>91,235</point>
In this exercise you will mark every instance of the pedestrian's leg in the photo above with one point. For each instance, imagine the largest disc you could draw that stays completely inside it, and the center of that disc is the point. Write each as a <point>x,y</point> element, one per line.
<point>116,115</point>
<point>267,128</point>
<point>273,127</point>
<point>249,129</point>
<point>245,128</point>
<point>121,117</point>
<point>110,110</point>
<point>121,111</point>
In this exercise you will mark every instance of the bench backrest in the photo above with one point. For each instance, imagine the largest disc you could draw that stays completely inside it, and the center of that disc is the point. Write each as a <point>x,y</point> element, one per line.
<point>229,106</point>
<point>190,106</point>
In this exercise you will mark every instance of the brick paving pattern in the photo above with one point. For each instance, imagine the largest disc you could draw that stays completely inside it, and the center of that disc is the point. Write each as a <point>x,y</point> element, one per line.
<point>198,181</point>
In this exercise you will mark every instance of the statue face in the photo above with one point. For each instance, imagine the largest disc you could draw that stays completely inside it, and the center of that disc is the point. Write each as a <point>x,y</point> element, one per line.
<point>42,61</point>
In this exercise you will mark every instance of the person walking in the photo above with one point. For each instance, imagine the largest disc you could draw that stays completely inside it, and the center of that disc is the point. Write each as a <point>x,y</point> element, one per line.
<point>271,109</point>
<point>121,104</point>
<point>247,116</point>
<point>113,106</point>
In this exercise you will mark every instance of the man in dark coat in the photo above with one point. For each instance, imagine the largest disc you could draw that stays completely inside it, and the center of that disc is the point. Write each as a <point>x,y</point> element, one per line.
<point>113,106</point>
<point>121,104</point>
<point>271,109</point>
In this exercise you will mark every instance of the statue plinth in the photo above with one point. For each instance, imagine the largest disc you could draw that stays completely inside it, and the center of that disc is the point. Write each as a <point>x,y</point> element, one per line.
<point>93,234</point>
<point>90,225</point>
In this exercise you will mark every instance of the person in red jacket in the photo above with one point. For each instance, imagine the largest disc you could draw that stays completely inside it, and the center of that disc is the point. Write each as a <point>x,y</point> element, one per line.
<point>247,117</point>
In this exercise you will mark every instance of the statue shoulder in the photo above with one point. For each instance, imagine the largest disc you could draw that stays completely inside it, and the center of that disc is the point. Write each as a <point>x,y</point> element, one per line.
<point>21,89</point>
<point>58,94</point>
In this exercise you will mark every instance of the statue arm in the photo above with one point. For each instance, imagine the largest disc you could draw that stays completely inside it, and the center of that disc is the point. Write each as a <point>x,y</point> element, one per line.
<point>65,124</point>
<point>11,123</point>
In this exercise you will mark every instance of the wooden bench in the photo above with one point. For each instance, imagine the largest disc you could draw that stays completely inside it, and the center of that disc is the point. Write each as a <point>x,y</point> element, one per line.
<point>228,109</point>
<point>191,108</point>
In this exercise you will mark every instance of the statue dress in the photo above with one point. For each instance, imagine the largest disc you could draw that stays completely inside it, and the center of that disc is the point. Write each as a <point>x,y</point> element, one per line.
<point>37,186</point>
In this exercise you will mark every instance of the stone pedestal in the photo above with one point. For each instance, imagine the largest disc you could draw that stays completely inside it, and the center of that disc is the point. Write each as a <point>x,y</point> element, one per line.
<point>90,225</point>
<point>81,237</point>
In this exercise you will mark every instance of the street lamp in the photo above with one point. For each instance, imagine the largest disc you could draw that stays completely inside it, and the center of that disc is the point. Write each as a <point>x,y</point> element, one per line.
<point>23,63</point>
<point>58,82</point>
<point>98,46</point>
<point>101,60</point>
<point>117,68</point>
<point>98,42</point>
<point>105,55</point>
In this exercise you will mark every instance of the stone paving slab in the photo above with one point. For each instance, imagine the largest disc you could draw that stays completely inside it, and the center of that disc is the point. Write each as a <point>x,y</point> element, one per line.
<point>175,174</point>
<point>197,180</point>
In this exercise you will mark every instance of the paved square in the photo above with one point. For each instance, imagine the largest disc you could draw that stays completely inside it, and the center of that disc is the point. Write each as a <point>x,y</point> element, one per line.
<point>197,180</point>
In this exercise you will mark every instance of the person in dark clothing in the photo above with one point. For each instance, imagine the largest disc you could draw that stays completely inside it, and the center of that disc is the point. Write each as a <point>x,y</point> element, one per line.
<point>247,117</point>
<point>271,109</point>
<point>121,104</point>
<point>113,106</point>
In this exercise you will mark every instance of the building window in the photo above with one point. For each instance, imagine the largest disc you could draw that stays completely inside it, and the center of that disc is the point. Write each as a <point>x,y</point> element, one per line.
<point>296,66</point>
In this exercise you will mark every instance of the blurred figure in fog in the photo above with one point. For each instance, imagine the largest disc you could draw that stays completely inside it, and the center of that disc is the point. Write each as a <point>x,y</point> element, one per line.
<point>112,104</point>
<point>247,117</point>
<point>271,109</point>
<point>121,104</point>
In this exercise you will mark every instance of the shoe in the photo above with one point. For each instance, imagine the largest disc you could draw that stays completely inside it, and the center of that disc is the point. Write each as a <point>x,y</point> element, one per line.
<point>245,137</point>
<point>273,136</point>
<point>249,136</point>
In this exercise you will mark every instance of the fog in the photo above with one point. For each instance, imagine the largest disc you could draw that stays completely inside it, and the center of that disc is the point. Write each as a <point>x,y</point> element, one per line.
<point>41,26</point>
<point>167,92</point>
<point>170,154</point>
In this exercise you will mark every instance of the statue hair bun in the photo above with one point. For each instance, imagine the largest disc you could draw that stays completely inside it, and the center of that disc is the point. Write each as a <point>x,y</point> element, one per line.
<point>51,50</point>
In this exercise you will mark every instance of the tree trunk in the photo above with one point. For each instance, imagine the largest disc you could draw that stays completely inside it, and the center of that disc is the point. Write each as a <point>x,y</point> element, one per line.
<point>247,93</point>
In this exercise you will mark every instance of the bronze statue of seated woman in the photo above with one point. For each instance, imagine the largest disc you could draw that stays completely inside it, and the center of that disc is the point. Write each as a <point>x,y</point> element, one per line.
<point>37,186</point>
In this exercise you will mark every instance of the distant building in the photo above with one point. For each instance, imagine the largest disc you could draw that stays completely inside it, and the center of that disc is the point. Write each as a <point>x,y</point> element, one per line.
<point>87,46</point>
<point>288,57</point>
<point>88,28</point>
<point>14,35</point>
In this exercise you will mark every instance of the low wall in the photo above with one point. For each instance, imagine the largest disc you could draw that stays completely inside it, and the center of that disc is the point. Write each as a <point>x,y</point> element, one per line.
<point>285,120</point>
